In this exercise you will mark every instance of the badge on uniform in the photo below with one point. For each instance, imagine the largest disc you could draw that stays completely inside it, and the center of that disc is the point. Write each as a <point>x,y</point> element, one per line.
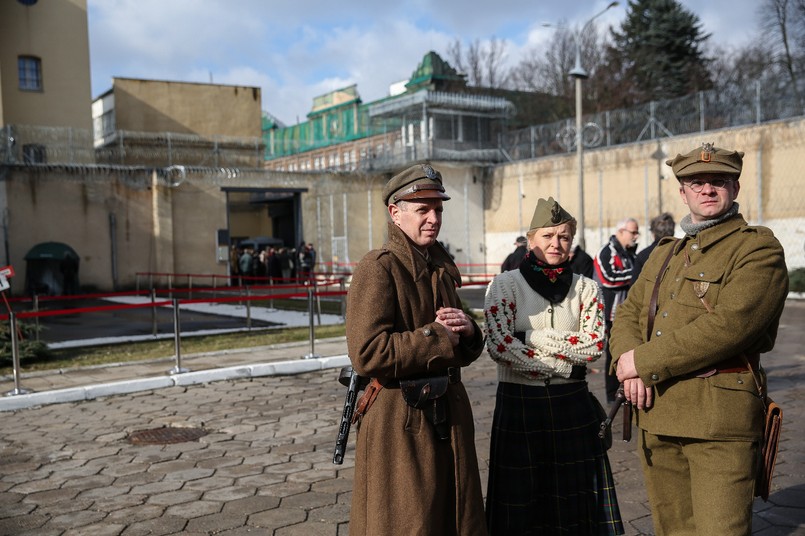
<point>707,152</point>
<point>429,172</point>
<point>556,213</point>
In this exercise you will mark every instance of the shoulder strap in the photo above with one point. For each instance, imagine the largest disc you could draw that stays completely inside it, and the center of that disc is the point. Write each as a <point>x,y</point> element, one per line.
<point>652,306</point>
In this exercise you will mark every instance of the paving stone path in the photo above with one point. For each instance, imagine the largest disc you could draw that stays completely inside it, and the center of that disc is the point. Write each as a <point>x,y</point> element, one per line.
<point>265,466</point>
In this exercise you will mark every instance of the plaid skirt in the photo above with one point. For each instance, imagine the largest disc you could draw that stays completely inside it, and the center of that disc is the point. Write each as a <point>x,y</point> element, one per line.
<point>548,469</point>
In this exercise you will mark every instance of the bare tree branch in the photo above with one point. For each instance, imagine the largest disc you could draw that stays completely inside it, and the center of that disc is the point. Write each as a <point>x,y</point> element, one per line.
<point>482,62</point>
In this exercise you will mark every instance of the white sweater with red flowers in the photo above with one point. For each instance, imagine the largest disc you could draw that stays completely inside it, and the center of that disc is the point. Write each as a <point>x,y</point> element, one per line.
<point>557,336</point>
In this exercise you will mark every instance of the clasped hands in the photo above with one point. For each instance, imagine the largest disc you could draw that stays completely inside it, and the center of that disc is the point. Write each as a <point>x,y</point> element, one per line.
<point>456,322</point>
<point>636,392</point>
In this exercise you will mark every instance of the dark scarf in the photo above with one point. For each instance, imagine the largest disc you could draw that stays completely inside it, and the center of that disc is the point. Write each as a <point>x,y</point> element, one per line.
<point>551,282</point>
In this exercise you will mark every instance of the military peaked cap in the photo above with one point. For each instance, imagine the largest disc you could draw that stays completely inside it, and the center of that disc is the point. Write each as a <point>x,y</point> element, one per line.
<point>707,159</point>
<point>419,181</point>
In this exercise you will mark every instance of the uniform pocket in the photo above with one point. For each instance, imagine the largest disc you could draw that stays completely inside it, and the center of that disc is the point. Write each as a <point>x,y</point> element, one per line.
<point>736,411</point>
<point>701,282</point>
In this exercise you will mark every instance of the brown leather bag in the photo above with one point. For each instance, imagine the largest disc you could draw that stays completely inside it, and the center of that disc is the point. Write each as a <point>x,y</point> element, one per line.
<point>769,445</point>
<point>770,442</point>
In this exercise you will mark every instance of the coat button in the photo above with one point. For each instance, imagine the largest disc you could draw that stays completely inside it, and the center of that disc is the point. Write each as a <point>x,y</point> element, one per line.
<point>550,310</point>
<point>665,314</point>
<point>659,333</point>
<point>694,247</point>
<point>655,377</point>
<point>740,382</point>
<point>701,274</point>
<point>426,332</point>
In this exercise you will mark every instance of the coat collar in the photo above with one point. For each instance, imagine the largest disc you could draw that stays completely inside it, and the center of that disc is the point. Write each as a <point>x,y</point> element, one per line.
<point>708,237</point>
<point>400,245</point>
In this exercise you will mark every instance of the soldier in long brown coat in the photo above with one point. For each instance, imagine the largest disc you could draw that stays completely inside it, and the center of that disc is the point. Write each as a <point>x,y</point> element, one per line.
<point>716,307</point>
<point>416,470</point>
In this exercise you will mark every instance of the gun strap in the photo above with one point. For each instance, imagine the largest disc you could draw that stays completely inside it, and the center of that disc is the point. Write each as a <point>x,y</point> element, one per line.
<point>652,306</point>
<point>652,312</point>
<point>367,399</point>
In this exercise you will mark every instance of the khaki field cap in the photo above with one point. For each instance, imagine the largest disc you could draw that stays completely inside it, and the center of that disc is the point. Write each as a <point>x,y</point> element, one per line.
<point>549,213</point>
<point>707,159</point>
<point>420,181</point>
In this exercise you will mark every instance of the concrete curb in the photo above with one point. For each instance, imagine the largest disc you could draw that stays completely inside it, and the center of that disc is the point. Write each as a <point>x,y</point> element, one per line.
<point>91,392</point>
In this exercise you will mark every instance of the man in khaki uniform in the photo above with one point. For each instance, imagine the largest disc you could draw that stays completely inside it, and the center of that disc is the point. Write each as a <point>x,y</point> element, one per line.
<point>718,305</point>
<point>416,470</point>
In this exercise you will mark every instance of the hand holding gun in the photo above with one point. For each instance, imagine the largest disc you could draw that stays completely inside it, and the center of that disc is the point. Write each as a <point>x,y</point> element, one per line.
<point>620,400</point>
<point>354,384</point>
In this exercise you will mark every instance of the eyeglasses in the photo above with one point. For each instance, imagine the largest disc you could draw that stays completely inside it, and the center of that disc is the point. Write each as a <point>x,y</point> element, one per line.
<point>697,185</point>
<point>634,233</point>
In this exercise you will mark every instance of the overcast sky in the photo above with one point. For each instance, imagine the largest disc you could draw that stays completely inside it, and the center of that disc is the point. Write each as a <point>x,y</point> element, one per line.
<point>295,50</point>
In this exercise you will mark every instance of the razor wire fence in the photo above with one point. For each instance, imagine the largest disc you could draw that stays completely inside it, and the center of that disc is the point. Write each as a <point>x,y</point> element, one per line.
<point>697,112</point>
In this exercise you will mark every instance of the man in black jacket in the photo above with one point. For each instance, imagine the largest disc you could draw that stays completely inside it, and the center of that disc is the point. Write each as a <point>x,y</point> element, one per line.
<point>512,262</point>
<point>580,262</point>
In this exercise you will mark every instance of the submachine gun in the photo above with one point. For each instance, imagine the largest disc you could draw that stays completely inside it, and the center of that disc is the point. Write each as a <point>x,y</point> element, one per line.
<point>354,383</point>
<point>620,400</point>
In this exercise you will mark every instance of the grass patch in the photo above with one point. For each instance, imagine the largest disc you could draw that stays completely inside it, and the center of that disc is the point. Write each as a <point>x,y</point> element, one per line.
<point>63,358</point>
<point>796,280</point>
<point>66,358</point>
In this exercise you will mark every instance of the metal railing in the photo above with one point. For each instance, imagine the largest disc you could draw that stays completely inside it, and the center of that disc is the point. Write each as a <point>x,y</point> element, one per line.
<point>308,289</point>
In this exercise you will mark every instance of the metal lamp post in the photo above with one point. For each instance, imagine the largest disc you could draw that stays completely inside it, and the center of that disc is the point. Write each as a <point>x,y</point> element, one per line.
<point>580,74</point>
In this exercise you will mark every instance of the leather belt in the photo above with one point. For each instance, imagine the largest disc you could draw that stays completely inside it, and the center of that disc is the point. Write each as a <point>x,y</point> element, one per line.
<point>731,365</point>
<point>453,376</point>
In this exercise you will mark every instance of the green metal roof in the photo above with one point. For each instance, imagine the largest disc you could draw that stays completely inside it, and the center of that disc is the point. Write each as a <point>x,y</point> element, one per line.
<point>340,116</point>
<point>431,70</point>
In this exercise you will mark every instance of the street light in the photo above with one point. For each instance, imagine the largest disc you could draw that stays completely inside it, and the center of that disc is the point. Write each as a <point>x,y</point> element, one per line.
<point>580,74</point>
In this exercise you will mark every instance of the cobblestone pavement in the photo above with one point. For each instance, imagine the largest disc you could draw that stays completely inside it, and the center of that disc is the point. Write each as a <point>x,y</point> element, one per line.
<point>265,463</point>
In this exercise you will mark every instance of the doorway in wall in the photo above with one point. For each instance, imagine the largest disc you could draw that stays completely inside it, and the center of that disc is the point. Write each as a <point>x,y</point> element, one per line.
<point>274,213</point>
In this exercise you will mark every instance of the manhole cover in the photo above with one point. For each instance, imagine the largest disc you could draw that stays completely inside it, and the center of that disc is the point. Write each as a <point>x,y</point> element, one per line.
<point>166,436</point>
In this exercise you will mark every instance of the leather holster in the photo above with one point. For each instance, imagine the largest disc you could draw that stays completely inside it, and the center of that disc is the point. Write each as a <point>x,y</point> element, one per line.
<point>427,394</point>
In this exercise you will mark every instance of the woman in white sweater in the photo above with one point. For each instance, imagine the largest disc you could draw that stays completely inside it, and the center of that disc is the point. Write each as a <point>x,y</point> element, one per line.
<point>548,469</point>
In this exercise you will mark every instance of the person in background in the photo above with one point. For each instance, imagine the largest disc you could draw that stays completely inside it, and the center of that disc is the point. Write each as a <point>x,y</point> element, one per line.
<point>261,266</point>
<point>416,470</point>
<point>548,469</point>
<point>660,227</point>
<point>580,262</point>
<point>717,308</point>
<point>613,272</point>
<point>512,261</point>
<point>286,265</point>
<point>234,265</point>
<point>312,252</point>
<point>246,265</point>
<point>303,261</point>
<point>274,269</point>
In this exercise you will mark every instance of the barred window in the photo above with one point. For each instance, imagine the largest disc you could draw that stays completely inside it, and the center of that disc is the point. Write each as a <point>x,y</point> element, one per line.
<point>29,69</point>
